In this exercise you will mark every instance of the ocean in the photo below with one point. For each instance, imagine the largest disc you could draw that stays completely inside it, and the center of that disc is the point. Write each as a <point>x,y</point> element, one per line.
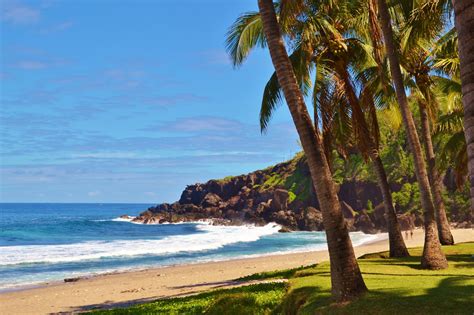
<point>44,242</point>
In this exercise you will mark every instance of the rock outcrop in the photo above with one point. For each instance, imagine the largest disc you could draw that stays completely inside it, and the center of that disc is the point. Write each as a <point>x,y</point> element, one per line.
<point>283,194</point>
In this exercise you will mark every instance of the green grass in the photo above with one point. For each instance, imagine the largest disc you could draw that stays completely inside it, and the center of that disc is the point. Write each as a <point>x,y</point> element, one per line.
<point>397,286</point>
<point>225,179</point>
<point>274,180</point>
<point>253,299</point>
<point>278,274</point>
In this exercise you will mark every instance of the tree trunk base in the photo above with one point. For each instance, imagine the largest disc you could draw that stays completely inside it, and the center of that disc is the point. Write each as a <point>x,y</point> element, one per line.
<point>399,253</point>
<point>358,291</point>
<point>433,257</point>
<point>446,239</point>
<point>445,236</point>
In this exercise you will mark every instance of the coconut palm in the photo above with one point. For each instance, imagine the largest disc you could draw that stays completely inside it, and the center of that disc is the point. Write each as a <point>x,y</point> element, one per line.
<point>320,45</point>
<point>464,11</point>
<point>418,35</point>
<point>346,279</point>
<point>433,257</point>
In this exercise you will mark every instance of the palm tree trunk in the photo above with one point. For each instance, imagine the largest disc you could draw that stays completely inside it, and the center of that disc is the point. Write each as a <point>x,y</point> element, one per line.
<point>346,278</point>
<point>433,257</point>
<point>396,243</point>
<point>445,236</point>
<point>464,12</point>
<point>395,238</point>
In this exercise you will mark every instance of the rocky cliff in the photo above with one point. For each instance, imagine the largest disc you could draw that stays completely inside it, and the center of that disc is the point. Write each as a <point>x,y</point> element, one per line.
<point>282,193</point>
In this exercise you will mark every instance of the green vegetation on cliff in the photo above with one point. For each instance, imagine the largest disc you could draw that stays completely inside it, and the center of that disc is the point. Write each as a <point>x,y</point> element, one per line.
<point>397,286</point>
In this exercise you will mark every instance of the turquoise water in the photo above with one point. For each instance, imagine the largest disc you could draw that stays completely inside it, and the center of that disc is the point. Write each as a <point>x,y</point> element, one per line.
<point>49,242</point>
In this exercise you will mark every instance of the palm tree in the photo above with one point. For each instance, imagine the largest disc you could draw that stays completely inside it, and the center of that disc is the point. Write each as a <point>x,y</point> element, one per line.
<point>417,52</point>
<point>433,257</point>
<point>320,45</point>
<point>417,63</point>
<point>346,278</point>
<point>464,11</point>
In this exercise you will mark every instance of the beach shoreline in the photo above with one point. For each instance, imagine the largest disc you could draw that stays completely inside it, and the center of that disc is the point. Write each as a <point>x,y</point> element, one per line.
<point>84,275</point>
<point>116,289</point>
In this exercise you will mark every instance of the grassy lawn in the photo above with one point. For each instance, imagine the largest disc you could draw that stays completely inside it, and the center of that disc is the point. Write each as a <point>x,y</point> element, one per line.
<point>397,286</point>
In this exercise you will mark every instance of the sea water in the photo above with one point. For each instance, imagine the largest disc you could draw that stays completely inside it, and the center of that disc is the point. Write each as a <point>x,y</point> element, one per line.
<point>45,242</point>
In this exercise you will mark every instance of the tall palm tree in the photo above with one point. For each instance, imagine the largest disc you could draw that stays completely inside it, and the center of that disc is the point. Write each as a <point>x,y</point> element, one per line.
<point>433,257</point>
<point>320,45</point>
<point>417,63</point>
<point>419,34</point>
<point>464,12</point>
<point>346,278</point>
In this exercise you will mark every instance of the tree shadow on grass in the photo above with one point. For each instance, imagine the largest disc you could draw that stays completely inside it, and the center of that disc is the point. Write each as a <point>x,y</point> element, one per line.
<point>461,258</point>
<point>302,298</point>
<point>209,302</point>
<point>418,275</point>
<point>452,296</point>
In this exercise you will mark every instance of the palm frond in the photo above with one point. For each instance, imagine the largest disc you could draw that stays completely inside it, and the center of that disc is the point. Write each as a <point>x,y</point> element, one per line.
<point>245,34</point>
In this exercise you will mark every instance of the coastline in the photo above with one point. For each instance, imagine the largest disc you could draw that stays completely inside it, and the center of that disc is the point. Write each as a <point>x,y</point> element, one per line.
<point>122,288</point>
<point>84,276</point>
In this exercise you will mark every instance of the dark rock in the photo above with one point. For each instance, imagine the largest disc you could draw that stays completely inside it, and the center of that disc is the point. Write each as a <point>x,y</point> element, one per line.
<point>363,223</point>
<point>251,199</point>
<point>280,200</point>
<point>310,219</point>
<point>211,200</point>
<point>285,218</point>
<point>72,279</point>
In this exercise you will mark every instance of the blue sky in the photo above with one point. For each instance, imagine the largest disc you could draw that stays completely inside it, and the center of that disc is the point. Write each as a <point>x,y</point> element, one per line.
<point>128,101</point>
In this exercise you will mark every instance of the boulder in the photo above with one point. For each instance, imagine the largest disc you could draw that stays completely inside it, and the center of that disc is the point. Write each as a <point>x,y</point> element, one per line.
<point>363,223</point>
<point>280,200</point>
<point>210,200</point>
<point>311,219</point>
<point>285,218</point>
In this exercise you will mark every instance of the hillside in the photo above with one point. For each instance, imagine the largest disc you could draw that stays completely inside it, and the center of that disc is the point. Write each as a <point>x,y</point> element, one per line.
<point>283,194</point>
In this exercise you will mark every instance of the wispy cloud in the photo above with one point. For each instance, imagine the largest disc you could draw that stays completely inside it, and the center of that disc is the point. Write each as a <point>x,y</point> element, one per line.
<point>56,28</point>
<point>198,124</point>
<point>31,65</point>
<point>17,13</point>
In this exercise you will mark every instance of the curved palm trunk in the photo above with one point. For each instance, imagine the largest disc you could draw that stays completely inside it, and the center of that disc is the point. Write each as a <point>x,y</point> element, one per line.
<point>464,12</point>
<point>433,257</point>
<point>445,236</point>
<point>346,278</point>
<point>396,243</point>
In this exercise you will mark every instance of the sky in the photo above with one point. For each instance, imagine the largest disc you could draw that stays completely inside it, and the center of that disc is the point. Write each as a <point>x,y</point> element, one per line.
<point>128,101</point>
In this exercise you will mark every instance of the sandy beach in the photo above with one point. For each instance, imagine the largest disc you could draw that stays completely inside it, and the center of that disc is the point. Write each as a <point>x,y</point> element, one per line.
<point>120,289</point>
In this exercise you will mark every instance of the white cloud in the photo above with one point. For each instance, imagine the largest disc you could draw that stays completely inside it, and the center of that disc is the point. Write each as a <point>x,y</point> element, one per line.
<point>16,13</point>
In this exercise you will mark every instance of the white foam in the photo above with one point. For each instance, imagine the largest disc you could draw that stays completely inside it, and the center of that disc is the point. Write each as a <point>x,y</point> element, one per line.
<point>120,219</point>
<point>214,237</point>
